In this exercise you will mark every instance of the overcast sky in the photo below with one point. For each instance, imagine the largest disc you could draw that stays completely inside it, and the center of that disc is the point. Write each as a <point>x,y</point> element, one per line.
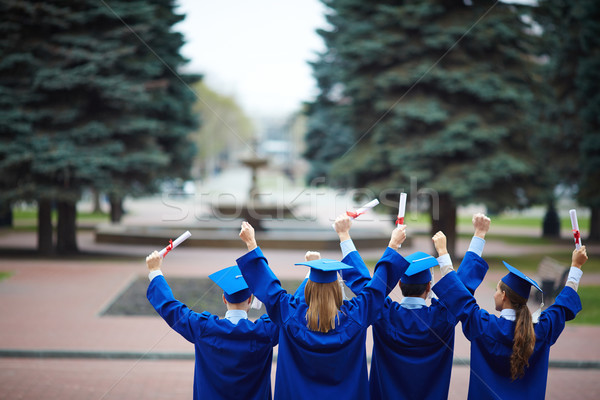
<point>255,50</point>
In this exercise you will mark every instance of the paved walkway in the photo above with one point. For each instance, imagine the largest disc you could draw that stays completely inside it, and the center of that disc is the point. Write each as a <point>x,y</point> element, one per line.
<point>53,307</point>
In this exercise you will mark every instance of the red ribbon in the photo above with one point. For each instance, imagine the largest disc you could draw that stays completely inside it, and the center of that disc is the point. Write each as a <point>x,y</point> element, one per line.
<point>400,221</point>
<point>169,247</point>
<point>353,214</point>
<point>577,236</point>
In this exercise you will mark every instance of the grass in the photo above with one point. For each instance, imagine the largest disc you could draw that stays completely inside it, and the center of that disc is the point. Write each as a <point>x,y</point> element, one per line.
<point>5,275</point>
<point>590,299</point>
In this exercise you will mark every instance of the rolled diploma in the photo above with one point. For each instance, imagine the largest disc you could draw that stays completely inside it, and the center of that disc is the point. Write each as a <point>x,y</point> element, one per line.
<point>575,225</point>
<point>367,206</point>
<point>176,242</point>
<point>401,209</point>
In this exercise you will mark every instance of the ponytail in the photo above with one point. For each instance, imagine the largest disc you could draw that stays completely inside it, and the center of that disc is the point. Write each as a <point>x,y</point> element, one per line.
<point>524,336</point>
<point>324,301</point>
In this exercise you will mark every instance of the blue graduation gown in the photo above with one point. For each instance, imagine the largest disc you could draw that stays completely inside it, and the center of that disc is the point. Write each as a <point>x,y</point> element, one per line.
<point>492,339</point>
<point>316,365</point>
<point>413,348</point>
<point>232,361</point>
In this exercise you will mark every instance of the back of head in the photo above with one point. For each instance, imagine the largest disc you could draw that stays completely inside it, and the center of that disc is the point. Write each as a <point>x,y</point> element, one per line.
<point>413,289</point>
<point>524,336</point>
<point>324,301</point>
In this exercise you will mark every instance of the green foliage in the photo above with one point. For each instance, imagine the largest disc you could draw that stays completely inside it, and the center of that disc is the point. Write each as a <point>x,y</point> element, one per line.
<point>590,301</point>
<point>85,102</point>
<point>5,275</point>
<point>571,44</point>
<point>419,90</point>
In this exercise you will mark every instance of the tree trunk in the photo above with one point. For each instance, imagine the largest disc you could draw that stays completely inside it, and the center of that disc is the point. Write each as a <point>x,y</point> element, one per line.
<point>443,218</point>
<point>96,201</point>
<point>44,227</point>
<point>66,240</point>
<point>116,208</point>
<point>551,223</point>
<point>6,215</point>
<point>594,225</point>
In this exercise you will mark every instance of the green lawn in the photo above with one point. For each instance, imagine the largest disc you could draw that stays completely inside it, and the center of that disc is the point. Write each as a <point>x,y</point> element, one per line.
<point>5,275</point>
<point>590,300</point>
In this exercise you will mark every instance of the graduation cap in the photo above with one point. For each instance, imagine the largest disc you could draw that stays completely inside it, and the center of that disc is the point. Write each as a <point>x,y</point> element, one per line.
<point>232,282</point>
<point>324,270</point>
<point>418,270</point>
<point>518,281</point>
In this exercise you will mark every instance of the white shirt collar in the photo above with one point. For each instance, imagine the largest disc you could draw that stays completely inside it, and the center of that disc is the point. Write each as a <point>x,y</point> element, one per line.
<point>413,302</point>
<point>234,316</point>
<point>508,314</point>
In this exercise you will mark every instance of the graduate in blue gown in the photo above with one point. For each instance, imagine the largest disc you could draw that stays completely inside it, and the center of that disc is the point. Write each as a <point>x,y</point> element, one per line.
<point>413,343</point>
<point>509,354</point>
<point>321,344</point>
<point>233,355</point>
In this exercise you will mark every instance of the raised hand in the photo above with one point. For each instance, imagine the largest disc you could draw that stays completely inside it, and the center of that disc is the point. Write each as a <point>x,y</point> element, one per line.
<point>579,257</point>
<point>439,242</point>
<point>154,261</point>
<point>247,236</point>
<point>312,255</point>
<point>398,236</point>
<point>481,223</point>
<point>342,226</point>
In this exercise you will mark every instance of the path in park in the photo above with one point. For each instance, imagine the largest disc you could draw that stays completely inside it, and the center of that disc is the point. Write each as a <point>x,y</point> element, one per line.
<point>52,309</point>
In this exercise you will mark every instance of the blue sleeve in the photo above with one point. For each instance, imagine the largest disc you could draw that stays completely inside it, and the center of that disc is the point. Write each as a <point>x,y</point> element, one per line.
<point>367,305</point>
<point>455,296</point>
<point>272,328</point>
<point>179,317</point>
<point>265,285</point>
<point>472,270</point>
<point>565,308</point>
<point>359,276</point>
<point>299,293</point>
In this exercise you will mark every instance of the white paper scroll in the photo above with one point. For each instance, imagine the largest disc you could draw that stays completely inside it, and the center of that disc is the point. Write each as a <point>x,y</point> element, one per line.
<point>401,209</point>
<point>575,225</point>
<point>175,243</point>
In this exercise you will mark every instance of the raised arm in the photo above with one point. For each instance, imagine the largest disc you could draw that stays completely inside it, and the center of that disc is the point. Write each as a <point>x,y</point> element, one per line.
<point>260,279</point>
<point>358,277</point>
<point>567,303</point>
<point>473,268</point>
<point>369,302</point>
<point>176,314</point>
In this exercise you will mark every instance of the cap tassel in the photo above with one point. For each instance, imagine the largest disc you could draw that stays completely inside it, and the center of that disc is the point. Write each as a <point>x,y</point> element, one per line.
<point>341,282</point>
<point>536,315</point>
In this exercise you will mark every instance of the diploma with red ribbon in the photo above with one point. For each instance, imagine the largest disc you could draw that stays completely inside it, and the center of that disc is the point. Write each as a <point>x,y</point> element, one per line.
<point>363,209</point>
<point>401,209</point>
<point>575,226</point>
<point>172,244</point>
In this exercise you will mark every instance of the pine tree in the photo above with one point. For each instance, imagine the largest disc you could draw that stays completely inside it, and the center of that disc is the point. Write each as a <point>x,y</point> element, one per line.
<point>436,92</point>
<point>88,104</point>
<point>571,46</point>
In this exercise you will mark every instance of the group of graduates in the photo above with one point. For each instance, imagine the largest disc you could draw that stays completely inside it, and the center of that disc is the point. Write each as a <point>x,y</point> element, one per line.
<point>322,335</point>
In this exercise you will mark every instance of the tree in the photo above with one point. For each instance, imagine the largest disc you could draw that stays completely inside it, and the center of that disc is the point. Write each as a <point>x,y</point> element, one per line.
<point>436,91</point>
<point>88,104</point>
<point>571,45</point>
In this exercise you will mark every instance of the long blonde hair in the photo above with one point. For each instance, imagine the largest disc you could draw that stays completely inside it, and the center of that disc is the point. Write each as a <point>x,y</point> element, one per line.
<point>524,336</point>
<point>324,301</point>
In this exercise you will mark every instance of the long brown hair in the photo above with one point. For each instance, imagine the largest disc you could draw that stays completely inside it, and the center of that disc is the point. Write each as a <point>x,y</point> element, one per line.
<point>324,301</point>
<point>524,337</point>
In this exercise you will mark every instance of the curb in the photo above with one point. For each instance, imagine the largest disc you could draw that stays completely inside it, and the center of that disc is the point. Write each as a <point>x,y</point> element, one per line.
<point>124,355</point>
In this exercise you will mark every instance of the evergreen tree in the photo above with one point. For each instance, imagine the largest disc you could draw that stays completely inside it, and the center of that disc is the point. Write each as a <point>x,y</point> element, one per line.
<point>433,91</point>
<point>87,104</point>
<point>571,45</point>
